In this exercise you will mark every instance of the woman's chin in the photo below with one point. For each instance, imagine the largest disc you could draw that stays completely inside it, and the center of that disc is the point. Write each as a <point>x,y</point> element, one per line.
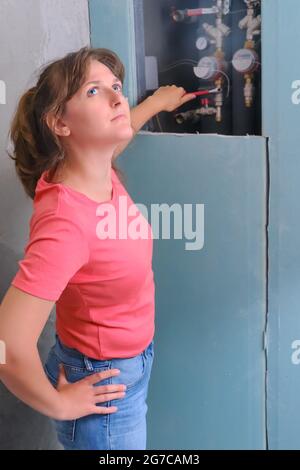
<point>126,133</point>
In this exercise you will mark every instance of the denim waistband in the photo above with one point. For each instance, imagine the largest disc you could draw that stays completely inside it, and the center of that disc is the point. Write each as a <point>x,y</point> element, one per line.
<point>78,359</point>
<point>75,357</point>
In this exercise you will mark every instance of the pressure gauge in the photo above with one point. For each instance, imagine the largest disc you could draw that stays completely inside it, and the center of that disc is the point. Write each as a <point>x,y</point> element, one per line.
<point>208,68</point>
<point>201,43</point>
<point>245,61</point>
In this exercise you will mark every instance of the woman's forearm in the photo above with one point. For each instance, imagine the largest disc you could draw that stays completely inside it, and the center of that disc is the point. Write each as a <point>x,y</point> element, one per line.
<point>144,111</point>
<point>25,378</point>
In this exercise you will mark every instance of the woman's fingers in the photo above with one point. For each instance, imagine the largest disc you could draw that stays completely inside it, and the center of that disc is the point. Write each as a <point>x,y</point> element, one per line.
<point>109,388</point>
<point>101,398</point>
<point>112,391</point>
<point>94,378</point>
<point>187,97</point>
<point>102,410</point>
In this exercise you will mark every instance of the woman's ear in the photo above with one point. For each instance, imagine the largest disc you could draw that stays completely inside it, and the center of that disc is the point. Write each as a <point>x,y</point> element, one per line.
<point>56,125</point>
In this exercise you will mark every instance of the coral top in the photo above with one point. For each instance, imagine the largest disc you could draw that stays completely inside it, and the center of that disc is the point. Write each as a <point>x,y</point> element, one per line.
<point>95,260</point>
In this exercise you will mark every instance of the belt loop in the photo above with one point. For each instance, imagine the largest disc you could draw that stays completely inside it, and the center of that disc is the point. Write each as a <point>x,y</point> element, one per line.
<point>88,364</point>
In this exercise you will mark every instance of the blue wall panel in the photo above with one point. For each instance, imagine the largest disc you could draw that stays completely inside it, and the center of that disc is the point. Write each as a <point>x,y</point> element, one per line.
<point>207,389</point>
<point>281,123</point>
<point>112,26</point>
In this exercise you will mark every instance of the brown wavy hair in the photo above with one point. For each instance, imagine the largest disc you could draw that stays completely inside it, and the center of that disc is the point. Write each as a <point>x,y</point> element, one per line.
<point>36,147</point>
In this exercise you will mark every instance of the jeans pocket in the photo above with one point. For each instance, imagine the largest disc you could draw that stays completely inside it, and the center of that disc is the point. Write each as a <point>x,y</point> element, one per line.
<point>132,370</point>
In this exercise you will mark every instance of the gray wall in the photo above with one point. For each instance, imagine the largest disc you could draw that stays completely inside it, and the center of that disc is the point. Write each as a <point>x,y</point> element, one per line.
<point>32,32</point>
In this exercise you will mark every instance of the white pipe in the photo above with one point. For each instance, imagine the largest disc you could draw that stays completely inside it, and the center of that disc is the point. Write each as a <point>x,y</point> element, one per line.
<point>251,23</point>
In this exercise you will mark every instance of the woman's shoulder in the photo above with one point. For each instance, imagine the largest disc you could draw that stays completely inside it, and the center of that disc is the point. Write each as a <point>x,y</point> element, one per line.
<point>52,207</point>
<point>53,197</point>
<point>46,194</point>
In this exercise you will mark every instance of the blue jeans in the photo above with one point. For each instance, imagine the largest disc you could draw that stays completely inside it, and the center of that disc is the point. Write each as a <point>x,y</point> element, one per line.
<point>124,429</point>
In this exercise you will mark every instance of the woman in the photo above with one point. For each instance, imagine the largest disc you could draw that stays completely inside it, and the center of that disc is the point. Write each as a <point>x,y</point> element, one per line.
<point>67,131</point>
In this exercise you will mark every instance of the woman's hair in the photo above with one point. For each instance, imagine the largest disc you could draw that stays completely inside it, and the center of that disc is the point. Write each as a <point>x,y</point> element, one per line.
<point>36,147</point>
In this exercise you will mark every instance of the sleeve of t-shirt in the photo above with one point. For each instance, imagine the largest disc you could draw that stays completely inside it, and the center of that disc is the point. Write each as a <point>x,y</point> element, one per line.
<point>56,250</point>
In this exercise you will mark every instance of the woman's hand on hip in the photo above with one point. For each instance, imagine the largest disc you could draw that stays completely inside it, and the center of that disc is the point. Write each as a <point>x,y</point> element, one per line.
<point>80,398</point>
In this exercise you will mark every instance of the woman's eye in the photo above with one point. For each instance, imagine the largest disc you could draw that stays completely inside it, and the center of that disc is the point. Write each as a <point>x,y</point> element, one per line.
<point>94,88</point>
<point>92,93</point>
<point>118,85</point>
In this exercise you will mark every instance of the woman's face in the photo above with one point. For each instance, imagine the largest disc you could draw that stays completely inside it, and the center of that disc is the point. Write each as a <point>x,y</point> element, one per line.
<point>90,113</point>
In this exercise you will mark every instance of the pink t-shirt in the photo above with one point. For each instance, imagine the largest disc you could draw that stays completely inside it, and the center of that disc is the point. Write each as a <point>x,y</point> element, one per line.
<point>103,286</point>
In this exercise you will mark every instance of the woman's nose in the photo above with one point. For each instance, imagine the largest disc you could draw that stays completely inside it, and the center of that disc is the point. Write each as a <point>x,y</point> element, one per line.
<point>115,97</point>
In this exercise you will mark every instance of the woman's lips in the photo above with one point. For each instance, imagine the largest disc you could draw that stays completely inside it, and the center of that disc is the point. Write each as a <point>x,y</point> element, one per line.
<point>119,117</point>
